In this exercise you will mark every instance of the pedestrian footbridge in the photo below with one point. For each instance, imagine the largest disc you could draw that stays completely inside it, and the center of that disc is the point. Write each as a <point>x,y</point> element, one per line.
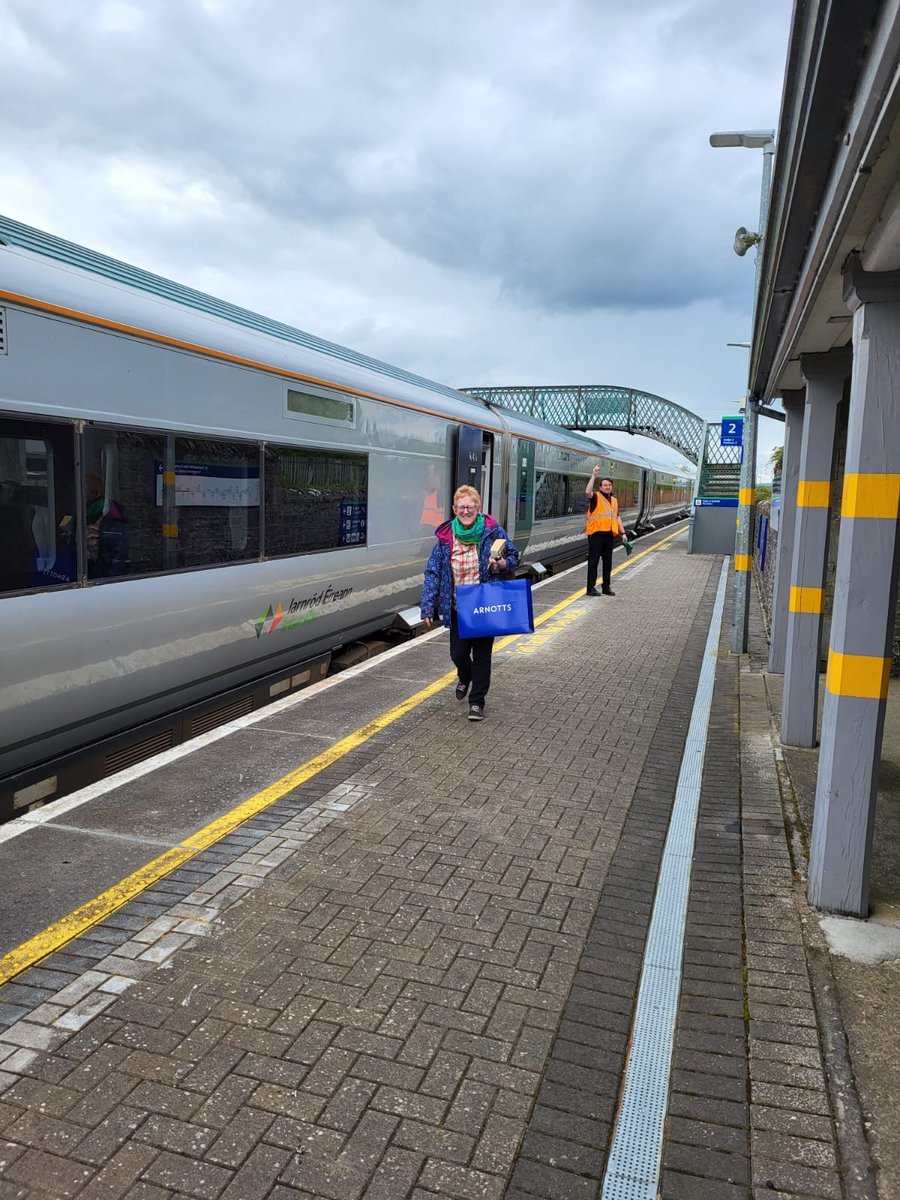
<point>607,406</point>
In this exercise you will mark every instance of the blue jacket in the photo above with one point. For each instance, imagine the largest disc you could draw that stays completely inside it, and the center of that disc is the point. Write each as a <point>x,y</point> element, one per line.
<point>437,592</point>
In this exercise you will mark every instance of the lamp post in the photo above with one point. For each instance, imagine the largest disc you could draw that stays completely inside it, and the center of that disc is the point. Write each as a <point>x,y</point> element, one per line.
<point>752,139</point>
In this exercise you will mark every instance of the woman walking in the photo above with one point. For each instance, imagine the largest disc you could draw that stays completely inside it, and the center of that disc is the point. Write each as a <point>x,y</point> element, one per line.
<point>462,554</point>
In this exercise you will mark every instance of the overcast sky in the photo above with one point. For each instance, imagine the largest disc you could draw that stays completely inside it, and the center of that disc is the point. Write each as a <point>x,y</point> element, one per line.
<point>480,191</point>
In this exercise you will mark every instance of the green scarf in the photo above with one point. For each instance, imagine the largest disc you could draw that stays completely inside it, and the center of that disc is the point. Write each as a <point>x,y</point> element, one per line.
<point>474,533</point>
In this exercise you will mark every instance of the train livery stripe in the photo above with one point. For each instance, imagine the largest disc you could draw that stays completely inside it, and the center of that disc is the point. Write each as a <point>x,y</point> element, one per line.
<point>74,314</point>
<point>57,935</point>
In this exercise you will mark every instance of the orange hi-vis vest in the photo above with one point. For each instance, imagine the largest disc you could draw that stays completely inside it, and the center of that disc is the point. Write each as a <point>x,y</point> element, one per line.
<point>432,512</point>
<point>605,517</point>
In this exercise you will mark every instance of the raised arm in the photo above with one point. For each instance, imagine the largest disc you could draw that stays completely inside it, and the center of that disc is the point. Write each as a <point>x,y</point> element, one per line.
<point>589,490</point>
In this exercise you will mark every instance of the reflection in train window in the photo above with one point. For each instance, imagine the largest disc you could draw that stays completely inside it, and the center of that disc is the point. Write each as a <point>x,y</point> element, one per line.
<point>315,500</point>
<point>549,495</point>
<point>216,502</point>
<point>558,495</point>
<point>37,498</point>
<point>123,530</point>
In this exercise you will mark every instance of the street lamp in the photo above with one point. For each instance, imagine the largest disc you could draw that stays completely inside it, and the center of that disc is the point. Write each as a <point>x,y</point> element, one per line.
<point>751,139</point>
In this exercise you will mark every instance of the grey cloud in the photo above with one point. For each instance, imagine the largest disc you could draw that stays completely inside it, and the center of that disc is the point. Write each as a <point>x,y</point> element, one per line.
<point>557,153</point>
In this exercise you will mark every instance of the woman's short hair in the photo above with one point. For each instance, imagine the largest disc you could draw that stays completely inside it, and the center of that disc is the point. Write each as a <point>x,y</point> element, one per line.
<point>605,479</point>
<point>466,490</point>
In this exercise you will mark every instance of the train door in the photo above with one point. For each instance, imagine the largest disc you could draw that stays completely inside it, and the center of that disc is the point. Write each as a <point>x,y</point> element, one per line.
<point>523,494</point>
<point>645,499</point>
<point>475,461</point>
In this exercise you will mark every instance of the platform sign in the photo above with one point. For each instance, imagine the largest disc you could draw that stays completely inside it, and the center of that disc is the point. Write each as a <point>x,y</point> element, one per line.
<point>716,502</point>
<point>732,432</point>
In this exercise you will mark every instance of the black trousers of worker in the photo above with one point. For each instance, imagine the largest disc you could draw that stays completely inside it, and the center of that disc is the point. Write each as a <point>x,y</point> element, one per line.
<point>472,659</point>
<point>600,547</point>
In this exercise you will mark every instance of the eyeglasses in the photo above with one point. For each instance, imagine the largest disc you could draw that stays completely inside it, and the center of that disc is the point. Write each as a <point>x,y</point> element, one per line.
<point>466,508</point>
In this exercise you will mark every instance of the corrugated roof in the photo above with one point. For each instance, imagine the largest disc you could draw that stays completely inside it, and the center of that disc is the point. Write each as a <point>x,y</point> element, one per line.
<point>15,234</point>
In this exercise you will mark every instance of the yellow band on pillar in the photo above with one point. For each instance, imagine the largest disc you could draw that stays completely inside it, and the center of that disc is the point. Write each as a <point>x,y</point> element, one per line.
<point>168,478</point>
<point>857,675</point>
<point>746,496</point>
<point>813,493</point>
<point>170,531</point>
<point>807,599</point>
<point>871,496</point>
<point>742,562</point>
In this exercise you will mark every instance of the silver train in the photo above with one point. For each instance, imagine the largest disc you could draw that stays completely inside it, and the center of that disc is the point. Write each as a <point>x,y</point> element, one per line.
<point>199,506</point>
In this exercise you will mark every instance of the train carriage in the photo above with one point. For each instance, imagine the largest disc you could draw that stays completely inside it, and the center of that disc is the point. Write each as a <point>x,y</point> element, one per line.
<point>199,505</point>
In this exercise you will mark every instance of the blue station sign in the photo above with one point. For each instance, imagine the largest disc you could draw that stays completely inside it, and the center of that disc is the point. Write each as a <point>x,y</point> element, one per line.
<point>732,432</point>
<point>716,502</point>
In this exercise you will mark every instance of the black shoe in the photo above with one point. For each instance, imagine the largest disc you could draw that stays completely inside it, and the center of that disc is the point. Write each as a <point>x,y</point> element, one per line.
<point>462,690</point>
<point>608,592</point>
<point>592,592</point>
<point>476,712</point>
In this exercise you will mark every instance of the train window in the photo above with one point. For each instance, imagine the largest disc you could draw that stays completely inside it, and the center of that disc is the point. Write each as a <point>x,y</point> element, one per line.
<point>216,502</point>
<point>328,410</point>
<point>122,526</point>
<point>315,500</point>
<point>576,498</point>
<point>549,495</point>
<point>37,500</point>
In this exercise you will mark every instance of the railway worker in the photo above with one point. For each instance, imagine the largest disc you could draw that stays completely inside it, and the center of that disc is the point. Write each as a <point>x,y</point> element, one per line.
<point>462,554</point>
<point>604,525</point>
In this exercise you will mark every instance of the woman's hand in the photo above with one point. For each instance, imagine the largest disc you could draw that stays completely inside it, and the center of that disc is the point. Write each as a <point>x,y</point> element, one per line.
<point>498,564</point>
<point>429,621</point>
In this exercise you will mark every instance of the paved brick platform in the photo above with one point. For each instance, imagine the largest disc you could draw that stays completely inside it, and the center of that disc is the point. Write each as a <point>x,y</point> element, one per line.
<point>414,976</point>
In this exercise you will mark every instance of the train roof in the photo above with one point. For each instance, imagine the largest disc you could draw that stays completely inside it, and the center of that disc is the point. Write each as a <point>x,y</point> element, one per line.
<point>80,261</point>
<point>46,245</point>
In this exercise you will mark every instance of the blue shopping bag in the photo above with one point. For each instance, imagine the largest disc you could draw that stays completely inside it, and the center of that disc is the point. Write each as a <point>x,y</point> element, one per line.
<point>494,609</point>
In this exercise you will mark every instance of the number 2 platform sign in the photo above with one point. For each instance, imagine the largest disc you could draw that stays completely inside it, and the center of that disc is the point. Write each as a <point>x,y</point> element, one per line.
<point>732,433</point>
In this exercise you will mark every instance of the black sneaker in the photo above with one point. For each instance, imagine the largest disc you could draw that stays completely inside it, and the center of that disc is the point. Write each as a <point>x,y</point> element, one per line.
<point>476,712</point>
<point>462,690</point>
<point>608,592</point>
<point>591,592</point>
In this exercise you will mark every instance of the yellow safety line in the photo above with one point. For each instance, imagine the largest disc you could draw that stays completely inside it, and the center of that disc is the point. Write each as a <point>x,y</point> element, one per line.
<point>55,936</point>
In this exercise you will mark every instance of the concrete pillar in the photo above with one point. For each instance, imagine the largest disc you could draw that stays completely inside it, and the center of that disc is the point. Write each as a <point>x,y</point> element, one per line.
<point>825,375</point>
<point>859,659</point>
<point>792,402</point>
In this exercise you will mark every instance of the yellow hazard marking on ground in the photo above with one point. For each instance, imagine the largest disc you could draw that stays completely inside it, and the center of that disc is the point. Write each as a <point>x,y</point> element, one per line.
<point>807,600</point>
<point>57,935</point>
<point>537,639</point>
<point>871,496</point>
<point>860,675</point>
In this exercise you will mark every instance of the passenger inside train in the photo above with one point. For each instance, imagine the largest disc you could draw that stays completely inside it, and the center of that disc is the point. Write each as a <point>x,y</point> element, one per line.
<point>105,525</point>
<point>18,548</point>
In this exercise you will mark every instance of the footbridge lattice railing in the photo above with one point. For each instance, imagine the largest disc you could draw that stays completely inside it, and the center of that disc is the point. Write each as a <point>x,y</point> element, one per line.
<point>605,406</point>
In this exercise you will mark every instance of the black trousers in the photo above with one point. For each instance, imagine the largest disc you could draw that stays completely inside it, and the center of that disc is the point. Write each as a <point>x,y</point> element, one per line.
<point>600,547</point>
<point>472,659</point>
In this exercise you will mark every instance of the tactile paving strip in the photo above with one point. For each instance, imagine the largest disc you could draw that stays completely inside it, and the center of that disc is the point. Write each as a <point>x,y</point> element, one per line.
<point>632,1171</point>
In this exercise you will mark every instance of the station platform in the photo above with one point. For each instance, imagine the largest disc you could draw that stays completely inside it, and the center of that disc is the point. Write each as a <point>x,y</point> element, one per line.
<point>356,946</point>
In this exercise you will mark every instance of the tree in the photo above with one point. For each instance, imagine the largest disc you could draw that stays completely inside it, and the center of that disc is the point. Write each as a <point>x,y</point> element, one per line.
<point>776,459</point>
